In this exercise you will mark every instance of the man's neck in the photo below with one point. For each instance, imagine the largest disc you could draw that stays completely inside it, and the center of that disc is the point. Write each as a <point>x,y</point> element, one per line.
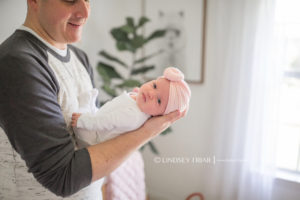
<point>63,52</point>
<point>44,35</point>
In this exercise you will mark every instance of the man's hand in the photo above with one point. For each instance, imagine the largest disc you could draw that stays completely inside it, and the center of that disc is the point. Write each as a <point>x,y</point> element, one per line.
<point>75,117</point>
<point>156,125</point>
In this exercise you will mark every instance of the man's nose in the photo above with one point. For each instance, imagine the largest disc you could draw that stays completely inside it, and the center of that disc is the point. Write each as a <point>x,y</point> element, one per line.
<point>83,9</point>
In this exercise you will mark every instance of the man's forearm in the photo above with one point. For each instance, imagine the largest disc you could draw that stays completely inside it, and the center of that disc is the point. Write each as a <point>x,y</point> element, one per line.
<point>107,156</point>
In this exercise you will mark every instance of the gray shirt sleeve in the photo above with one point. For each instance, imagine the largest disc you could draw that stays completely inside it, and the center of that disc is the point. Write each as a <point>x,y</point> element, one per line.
<point>32,119</point>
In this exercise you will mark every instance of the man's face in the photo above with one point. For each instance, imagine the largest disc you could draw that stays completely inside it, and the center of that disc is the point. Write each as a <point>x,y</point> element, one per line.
<point>153,97</point>
<point>62,20</point>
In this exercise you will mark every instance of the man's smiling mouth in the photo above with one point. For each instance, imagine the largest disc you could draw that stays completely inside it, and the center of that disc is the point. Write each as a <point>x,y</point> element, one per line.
<point>74,24</point>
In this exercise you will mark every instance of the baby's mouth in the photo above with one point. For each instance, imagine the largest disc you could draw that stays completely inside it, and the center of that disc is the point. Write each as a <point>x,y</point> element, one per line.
<point>144,97</point>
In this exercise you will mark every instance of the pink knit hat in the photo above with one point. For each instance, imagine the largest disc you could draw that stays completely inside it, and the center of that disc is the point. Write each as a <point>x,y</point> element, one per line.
<point>179,93</point>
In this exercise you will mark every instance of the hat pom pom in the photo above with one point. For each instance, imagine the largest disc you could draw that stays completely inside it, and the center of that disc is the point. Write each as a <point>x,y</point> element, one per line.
<point>173,74</point>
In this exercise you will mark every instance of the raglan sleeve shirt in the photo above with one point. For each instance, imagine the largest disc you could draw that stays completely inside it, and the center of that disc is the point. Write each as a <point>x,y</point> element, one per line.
<point>32,119</point>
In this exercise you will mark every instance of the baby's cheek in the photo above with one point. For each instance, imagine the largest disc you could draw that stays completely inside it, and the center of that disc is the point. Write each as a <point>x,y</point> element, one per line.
<point>157,110</point>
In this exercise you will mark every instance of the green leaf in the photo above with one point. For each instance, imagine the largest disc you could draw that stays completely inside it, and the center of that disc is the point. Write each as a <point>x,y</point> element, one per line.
<point>125,46</point>
<point>119,34</point>
<point>143,20</point>
<point>122,39</point>
<point>110,91</point>
<point>130,22</point>
<point>138,42</point>
<point>153,148</point>
<point>103,102</point>
<point>107,72</point>
<point>127,29</point>
<point>105,77</point>
<point>142,148</point>
<point>143,59</point>
<point>121,46</point>
<point>142,69</point>
<point>112,58</point>
<point>129,84</point>
<point>156,34</point>
<point>167,131</point>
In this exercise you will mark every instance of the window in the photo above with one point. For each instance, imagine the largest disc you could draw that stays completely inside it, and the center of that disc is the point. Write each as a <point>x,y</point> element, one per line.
<point>288,27</point>
<point>289,133</point>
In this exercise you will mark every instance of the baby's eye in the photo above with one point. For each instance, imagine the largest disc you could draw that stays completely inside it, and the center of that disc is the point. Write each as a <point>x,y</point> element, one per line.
<point>154,85</point>
<point>159,101</point>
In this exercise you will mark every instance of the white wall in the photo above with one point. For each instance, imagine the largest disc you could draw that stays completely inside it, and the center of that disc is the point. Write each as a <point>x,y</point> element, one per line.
<point>106,14</point>
<point>191,136</point>
<point>12,15</point>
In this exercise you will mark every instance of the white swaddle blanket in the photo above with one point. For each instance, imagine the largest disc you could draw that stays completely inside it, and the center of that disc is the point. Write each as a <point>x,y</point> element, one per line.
<point>117,116</point>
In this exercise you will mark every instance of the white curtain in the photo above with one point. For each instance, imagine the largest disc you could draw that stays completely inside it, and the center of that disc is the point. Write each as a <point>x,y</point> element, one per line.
<point>245,98</point>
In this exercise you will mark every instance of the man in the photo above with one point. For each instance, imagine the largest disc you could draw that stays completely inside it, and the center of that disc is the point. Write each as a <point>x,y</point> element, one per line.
<point>41,76</point>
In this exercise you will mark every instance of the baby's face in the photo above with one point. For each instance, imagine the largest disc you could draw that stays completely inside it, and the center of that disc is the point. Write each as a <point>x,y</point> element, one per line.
<point>153,97</point>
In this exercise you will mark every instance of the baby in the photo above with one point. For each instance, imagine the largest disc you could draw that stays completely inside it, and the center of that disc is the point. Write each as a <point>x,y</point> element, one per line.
<point>129,111</point>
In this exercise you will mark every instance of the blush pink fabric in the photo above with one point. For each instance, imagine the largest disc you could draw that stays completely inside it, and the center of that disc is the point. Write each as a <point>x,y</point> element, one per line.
<point>127,182</point>
<point>179,93</point>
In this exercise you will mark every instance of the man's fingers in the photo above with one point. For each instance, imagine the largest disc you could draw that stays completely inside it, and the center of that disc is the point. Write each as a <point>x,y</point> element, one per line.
<point>173,116</point>
<point>182,114</point>
<point>76,115</point>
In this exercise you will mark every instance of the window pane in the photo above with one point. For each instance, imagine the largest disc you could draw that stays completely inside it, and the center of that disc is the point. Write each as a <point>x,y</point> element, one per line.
<point>288,147</point>
<point>289,133</point>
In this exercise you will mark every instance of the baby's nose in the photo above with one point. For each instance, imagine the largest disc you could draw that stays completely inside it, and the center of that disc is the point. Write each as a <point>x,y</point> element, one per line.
<point>151,94</point>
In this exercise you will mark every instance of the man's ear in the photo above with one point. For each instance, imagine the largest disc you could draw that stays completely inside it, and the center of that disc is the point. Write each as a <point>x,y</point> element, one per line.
<point>33,4</point>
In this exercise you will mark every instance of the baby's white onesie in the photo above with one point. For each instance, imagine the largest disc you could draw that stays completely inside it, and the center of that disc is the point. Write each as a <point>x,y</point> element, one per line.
<point>117,116</point>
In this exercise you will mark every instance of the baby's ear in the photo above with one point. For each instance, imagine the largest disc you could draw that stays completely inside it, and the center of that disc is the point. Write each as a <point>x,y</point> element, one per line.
<point>136,89</point>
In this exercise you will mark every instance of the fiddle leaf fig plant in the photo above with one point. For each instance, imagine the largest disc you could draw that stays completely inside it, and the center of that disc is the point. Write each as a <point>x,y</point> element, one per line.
<point>128,38</point>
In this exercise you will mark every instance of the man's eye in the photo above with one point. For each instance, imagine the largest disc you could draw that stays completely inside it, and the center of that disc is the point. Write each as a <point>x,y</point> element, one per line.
<point>74,1</point>
<point>70,1</point>
<point>159,101</point>
<point>154,85</point>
